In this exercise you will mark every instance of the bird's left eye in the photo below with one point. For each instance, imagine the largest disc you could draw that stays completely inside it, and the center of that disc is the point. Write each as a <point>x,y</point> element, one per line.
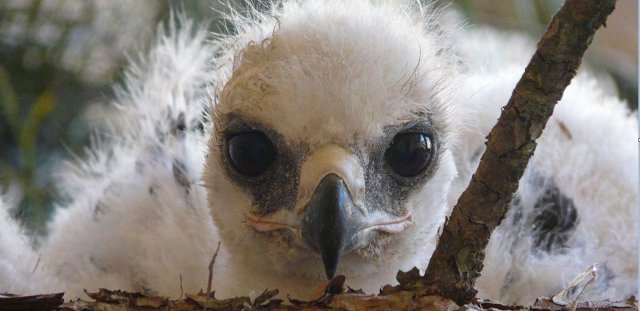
<point>251,153</point>
<point>409,153</point>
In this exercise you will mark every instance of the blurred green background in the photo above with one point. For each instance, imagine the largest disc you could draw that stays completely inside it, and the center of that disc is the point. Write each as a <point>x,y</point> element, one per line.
<point>59,59</point>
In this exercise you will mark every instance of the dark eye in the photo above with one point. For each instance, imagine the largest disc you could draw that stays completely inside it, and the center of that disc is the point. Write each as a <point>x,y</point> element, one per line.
<point>409,153</point>
<point>250,153</point>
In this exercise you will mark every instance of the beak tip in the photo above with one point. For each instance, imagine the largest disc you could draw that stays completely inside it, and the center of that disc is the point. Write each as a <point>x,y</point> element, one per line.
<point>330,265</point>
<point>327,227</point>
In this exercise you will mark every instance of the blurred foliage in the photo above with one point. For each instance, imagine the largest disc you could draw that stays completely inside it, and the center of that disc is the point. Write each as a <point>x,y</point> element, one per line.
<point>58,61</point>
<point>56,57</point>
<point>59,58</point>
<point>24,132</point>
<point>532,17</point>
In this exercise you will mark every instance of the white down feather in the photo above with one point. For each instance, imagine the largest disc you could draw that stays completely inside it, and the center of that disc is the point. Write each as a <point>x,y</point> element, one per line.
<point>138,217</point>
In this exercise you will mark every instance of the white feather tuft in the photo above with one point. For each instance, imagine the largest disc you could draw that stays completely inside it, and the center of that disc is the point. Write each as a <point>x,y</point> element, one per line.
<point>324,72</point>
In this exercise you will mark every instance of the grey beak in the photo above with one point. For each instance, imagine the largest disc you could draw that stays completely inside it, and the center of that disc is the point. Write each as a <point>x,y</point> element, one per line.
<point>327,227</point>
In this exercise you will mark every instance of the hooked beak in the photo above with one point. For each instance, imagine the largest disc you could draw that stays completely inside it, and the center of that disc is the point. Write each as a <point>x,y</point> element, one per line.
<point>328,225</point>
<point>330,216</point>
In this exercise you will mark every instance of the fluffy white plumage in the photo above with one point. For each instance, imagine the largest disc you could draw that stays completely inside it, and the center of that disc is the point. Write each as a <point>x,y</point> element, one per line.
<point>325,76</point>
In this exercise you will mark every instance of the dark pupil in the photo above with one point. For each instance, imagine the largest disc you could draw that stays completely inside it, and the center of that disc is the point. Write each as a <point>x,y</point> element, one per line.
<point>251,153</point>
<point>409,153</point>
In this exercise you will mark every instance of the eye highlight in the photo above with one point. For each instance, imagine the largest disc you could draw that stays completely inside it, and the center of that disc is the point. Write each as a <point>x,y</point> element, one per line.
<point>250,153</point>
<point>409,154</point>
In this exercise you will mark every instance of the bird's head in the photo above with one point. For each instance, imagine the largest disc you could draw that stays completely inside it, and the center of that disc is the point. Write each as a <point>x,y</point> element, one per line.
<point>330,153</point>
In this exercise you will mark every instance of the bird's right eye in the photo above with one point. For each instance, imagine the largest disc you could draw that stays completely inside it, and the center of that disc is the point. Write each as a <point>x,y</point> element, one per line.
<point>250,153</point>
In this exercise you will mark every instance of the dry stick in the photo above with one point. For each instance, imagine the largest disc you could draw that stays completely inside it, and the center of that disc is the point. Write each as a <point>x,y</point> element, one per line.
<point>181,290</point>
<point>213,261</point>
<point>457,260</point>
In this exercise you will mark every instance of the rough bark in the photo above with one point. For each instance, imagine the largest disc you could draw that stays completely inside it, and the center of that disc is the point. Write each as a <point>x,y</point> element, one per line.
<point>458,258</point>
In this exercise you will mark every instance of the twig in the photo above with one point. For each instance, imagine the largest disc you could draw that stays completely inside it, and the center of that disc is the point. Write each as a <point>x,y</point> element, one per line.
<point>457,260</point>
<point>181,290</point>
<point>213,261</point>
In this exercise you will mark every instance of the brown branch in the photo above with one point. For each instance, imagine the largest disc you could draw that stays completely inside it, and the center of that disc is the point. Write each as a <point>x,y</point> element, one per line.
<point>457,260</point>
